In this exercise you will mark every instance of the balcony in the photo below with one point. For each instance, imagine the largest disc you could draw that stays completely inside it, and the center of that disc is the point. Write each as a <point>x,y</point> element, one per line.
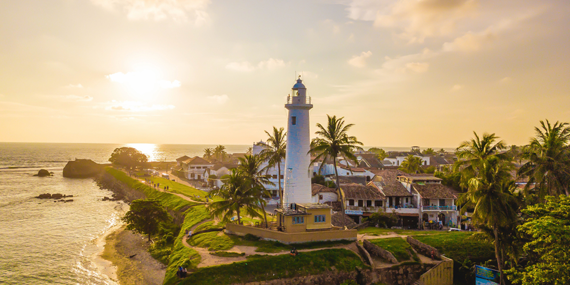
<point>298,100</point>
<point>364,209</point>
<point>439,208</point>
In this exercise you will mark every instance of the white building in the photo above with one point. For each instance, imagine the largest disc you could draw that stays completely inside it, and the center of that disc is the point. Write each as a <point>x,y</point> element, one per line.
<point>195,167</point>
<point>297,173</point>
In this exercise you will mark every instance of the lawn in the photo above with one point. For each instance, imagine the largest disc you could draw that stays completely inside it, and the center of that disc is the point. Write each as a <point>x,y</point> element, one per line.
<point>179,188</point>
<point>381,231</point>
<point>459,246</point>
<point>276,267</point>
<point>401,249</point>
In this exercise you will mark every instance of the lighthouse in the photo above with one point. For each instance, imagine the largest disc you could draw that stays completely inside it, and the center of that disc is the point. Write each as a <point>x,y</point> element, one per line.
<point>297,160</point>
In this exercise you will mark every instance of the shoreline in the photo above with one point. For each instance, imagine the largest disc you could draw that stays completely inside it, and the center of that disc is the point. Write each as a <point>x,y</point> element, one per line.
<point>104,266</point>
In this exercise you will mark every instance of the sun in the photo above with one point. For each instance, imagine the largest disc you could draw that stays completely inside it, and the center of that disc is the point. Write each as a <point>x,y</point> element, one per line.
<point>143,83</point>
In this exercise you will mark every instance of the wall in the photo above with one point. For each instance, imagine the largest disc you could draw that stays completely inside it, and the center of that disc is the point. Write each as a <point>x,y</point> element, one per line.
<point>288,238</point>
<point>310,220</point>
<point>423,248</point>
<point>379,252</point>
<point>441,274</point>
<point>327,197</point>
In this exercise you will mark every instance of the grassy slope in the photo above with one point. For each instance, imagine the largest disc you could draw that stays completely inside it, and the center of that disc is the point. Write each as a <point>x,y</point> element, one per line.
<point>276,267</point>
<point>175,187</point>
<point>381,231</point>
<point>459,246</point>
<point>401,250</point>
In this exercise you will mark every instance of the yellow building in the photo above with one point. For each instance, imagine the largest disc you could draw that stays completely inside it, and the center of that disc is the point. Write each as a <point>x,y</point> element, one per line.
<point>302,217</point>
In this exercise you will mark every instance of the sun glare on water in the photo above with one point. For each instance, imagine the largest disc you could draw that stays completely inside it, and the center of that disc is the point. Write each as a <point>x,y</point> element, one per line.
<point>151,150</point>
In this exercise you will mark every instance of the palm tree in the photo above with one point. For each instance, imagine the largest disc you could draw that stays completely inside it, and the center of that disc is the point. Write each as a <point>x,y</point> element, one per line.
<point>473,154</point>
<point>220,152</point>
<point>548,165</point>
<point>208,153</point>
<point>491,196</point>
<point>235,195</point>
<point>412,164</point>
<point>275,153</point>
<point>429,151</point>
<point>250,167</point>
<point>333,142</point>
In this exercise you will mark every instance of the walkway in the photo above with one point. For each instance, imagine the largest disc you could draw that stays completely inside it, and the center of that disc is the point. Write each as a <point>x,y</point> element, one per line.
<point>162,190</point>
<point>381,263</point>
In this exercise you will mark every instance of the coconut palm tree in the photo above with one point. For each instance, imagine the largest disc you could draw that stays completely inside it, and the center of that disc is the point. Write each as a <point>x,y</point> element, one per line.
<point>333,142</point>
<point>235,194</point>
<point>250,167</point>
<point>473,154</point>
<point>412,164</point>
<point>548,166</point>
<point>208,153</point>
<point>220,152</point>
<point>490,194</point>
<point>275,153</point>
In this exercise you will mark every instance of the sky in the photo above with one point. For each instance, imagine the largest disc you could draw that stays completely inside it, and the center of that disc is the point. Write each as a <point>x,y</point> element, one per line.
<point>404,72</point>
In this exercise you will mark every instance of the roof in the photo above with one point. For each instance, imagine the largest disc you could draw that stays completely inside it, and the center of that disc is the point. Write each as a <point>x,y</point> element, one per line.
<point>182,158</point>
<point>435,191</point>
<point>314,205</point>
<point>318,188</point>
<point>371,160</point>
<point>340,220</point>
<point>389,182</point>
<point>438,160</point>
<point>421,176</point>
<point>361,192</point>
<point>299,84</point>
<point>353,169</point>
<point>196,160</point>
<point>352,179</point>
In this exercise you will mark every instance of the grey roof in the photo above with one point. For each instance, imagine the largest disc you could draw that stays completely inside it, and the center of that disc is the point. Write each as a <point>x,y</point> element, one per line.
<point>361,192</point>
<point>318,188</point>
<point>390,184</point>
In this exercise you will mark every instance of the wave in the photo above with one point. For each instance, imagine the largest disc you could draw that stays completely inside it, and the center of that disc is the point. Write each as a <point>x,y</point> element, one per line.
<point>29,168</point>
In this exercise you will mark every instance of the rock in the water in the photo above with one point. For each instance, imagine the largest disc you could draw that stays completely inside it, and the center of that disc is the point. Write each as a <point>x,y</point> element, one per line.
<point>44,196</point>
<point>43,173</point>
<point>56,196</point>
<point>81,168</point>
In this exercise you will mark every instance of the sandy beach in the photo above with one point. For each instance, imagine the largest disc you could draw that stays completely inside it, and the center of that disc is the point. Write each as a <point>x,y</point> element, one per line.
<point>131,262</point>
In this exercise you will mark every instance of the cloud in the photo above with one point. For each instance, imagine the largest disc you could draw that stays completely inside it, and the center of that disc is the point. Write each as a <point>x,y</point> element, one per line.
<point>134,106</point>
<point>220,99</point>
<point>77,98</point>
<point>74,86</point>
<point>177,10</point>
<point>418,67</point>
<point>246,66</point>
<point>142,81</point>
<point>456,87</point>
<point>360,60</point>
<point>308,74</point>
<point>416,20</point>
<point>505,80</point>
<point>470,41</point>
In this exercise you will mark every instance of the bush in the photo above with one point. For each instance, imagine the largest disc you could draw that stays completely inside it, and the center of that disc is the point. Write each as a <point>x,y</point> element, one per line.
<point>386,220</point>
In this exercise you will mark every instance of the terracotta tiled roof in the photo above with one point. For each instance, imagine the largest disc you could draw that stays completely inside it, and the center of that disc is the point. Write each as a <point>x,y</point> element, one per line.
<point>390,184</point>
<point>435,191</point>
<point>318,188</point>
<point>340,220</point>
<point>371,160</point>
<point>196,160</point>
<point>182,158</point>
<point>336,205</point>
<point>352,179</point>
<point>362,192</point>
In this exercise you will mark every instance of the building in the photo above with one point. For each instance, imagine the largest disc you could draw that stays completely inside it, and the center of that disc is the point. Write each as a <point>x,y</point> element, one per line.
<point>362,200</point>
<point>323,194</point>
<point>195,167</point>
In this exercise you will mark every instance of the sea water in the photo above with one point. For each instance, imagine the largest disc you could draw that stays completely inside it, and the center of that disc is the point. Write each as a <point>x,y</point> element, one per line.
<point>47,242</point>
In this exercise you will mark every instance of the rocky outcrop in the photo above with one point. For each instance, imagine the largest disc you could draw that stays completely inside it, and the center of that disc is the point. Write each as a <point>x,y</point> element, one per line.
<point>43,173</point>
<point>53,196</point>
<point>379,252</point>
<point>423,248</point>
<point>82,168</point>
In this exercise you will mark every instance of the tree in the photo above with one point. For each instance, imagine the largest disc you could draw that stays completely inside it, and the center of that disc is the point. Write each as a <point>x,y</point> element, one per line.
<point>548,231</point>
<point>412,164</point>
<point>441,151</point>
<point>548,166</point>
<point>428,151</point>
<point>234,195</point>
<point>145,217</point>
<point>474,153</point>
<point>250,167</point>
<point>275,153</point>
<point>208,152</point>
<point>220,153</point>
<point>380,153</point>
<point>333,142</point>
<point>129,157</point>
<point>490,194</point>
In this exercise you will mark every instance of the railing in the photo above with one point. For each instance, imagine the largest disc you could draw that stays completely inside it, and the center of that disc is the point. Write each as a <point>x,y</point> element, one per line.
<point>298,100</point>
<point>364,209</point>
<point>439,208</point>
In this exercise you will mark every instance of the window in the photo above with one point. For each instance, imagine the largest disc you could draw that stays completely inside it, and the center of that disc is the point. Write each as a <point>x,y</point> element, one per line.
<point>319,218</point>
<point>360,203</point>
<point>377,203</point>
<point>294,120</point>
<point>351,202</point>
<point>298,220</point>
<point>320,197</point>
<point>274,176</point>
<point>368,203</point>
<point>442,202</point>
<point>281,176</point>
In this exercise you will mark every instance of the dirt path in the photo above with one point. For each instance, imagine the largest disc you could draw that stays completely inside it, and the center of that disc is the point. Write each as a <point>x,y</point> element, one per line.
<point>177,194</point>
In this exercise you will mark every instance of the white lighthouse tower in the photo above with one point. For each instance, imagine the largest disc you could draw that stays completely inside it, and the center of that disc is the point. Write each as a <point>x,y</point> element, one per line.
<point>297,174</point>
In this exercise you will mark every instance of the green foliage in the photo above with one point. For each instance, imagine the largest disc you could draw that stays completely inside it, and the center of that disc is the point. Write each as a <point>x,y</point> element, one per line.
<point>349,282</point>
<point>411,164</point>
<point>275,153</point>
<point>384,220</point>
<point>220,153</point>
<point>145,217</point>
<point>179,188</point>
<point>430,169</point>
<point>401,250</point>
<point>383,231</point>
<point>450,178</point>
<point>227,254</point>
<point>380,153</point>
<point>548,231</point>
<point>212,241</point>
<point>128,157</point>
<point>428,151</point>
<point>460,246</point>
<point>276,267</point>
<point>318,179</point>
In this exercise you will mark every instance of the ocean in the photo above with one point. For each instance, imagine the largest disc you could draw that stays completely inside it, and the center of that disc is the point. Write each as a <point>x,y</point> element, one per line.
<point>46,242</point>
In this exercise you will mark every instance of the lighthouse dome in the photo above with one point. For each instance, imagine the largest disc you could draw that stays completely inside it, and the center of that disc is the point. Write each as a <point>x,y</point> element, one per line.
<point>299,84</point>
